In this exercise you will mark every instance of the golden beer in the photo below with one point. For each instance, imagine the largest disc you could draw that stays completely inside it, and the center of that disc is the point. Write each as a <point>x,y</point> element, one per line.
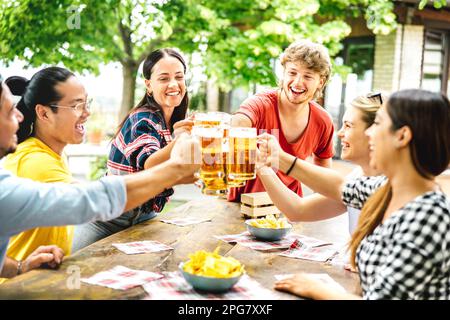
<point>241,162</point>
<point>231,183</point>
<point>212,170</point>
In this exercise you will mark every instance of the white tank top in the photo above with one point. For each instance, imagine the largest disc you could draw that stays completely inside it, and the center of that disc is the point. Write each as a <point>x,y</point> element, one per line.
<point>353,216</point>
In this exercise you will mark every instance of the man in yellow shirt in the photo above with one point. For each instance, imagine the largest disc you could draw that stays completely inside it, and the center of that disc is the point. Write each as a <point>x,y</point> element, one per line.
<point>33,159</point>
<point>55,108</point>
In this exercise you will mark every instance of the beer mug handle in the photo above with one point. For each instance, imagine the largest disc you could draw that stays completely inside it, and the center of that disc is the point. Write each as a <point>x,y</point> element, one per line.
<point>199,183</point>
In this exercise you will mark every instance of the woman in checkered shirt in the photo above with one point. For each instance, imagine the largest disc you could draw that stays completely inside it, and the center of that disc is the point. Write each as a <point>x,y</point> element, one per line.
<point>145,139</point>
<point>401,244</point>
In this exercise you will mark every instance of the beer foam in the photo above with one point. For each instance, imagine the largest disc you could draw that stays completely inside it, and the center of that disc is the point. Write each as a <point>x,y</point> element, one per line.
<point>207,117</point>
<point>242,132</point>
<point>207,132</point>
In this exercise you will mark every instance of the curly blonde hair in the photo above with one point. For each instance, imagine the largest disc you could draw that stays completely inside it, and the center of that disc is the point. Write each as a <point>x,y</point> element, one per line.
<point>312,55</point>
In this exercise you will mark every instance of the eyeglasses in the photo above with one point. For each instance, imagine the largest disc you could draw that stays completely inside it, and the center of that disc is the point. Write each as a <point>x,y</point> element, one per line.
<point>79,108</point>
<point>375,95</point>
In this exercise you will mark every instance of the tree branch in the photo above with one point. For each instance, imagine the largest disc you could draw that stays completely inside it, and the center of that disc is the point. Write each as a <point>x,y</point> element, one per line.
<point>152,45</point>
<point>127,44</point>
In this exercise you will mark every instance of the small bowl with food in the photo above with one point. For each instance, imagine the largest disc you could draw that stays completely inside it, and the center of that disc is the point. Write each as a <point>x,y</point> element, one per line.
<point>211,272</point>
<point>268,228</point>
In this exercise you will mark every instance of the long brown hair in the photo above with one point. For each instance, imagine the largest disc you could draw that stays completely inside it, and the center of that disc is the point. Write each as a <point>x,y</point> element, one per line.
<point>427,114</point>
<point>148,101</point>
<point>1,85</point>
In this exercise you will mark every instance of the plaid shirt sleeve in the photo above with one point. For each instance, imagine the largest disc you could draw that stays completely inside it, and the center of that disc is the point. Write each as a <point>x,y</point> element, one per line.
<point>418,251</point>
<point>144,141</point>
<point>357,191</point>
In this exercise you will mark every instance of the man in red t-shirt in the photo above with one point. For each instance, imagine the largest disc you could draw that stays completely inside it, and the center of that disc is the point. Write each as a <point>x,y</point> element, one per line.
<point>302,126</point>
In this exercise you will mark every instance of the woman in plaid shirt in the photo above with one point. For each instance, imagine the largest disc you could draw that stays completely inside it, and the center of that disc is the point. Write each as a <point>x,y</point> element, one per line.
<point>401,244</point>
<point>144,138</point>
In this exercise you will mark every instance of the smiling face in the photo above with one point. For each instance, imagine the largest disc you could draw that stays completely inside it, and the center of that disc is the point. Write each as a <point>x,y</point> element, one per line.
<point>299,83</point>
<point>66,126</point>
<point>10,118</point>
<point>382,148</point>
<point>167,83</point>
<point>355,144</point>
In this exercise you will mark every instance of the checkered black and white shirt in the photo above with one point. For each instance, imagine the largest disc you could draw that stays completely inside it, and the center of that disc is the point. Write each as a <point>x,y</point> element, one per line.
<point>407,256</point>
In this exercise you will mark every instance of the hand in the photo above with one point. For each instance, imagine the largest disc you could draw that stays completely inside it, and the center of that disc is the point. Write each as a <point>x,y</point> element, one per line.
<point>183,126</point>
<point>300,284</point>
<point>269,151</point>
<point>186,156</point>
<point>50,255</point>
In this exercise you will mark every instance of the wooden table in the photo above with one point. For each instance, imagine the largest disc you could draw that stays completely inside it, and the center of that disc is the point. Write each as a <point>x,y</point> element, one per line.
<point>101,256</point>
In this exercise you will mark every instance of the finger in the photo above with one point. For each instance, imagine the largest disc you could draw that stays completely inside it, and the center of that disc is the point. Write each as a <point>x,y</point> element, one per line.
<point>281,287</point>
<point>183,123</point>
<point>59,255</point>
<point>57,252</point>
<point>264,136</point>
<point>42,249</point>
<point>36,261</point>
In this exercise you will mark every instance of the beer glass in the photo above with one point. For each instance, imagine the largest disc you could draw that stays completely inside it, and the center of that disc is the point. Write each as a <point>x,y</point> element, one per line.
<point>210,119</point>
<point>241,162</point>
<point>231,183</point>
<point>212,170</point>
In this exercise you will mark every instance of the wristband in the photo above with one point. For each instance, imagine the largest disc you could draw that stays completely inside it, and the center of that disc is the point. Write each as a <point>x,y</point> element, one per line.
<point>19,267</point>
<point>292,166</point>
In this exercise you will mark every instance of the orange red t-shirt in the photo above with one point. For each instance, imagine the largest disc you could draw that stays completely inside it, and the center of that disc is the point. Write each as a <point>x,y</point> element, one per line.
<point>317,138</point>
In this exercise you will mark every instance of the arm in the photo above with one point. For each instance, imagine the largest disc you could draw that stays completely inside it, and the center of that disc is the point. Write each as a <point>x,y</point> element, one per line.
<point>10,267</point>
<point>147,184</point>
<point>50,255</point>
<point>241,120</point>
<point>27,204</point>
<point>182,126</point>
<point>326,163</point>
<point>312,208</point>
<point>305,286</point>
<point>159,156</point>
<point>325,181</point>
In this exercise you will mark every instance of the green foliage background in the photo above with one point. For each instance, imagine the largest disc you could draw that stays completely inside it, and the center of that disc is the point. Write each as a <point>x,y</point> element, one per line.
<point>237,39</point>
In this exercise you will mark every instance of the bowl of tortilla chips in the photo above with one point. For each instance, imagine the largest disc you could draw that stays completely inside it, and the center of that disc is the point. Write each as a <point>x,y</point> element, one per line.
<point>268,228</point>
<point>211,272</point>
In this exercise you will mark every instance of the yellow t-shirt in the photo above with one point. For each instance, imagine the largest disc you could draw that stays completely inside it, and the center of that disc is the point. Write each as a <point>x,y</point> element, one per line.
<point>33,159</point>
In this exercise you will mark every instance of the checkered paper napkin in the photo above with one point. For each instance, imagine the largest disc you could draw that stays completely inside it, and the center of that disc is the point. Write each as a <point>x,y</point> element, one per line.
<point>174,287</point>
<point>122,278</point>
<point>247,240</point>
<point>323,277</point>
<point>141,247</point>
<point>299,250</point>
<point>187,221</point>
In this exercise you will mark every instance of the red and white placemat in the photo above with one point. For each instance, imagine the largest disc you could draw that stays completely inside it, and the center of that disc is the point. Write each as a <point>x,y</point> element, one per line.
<point>187,221</point>
<point>174,287</point>
<point>122,278</point>
<point>247,240</point>
<point>141,247</point>
<point>300,251</point>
